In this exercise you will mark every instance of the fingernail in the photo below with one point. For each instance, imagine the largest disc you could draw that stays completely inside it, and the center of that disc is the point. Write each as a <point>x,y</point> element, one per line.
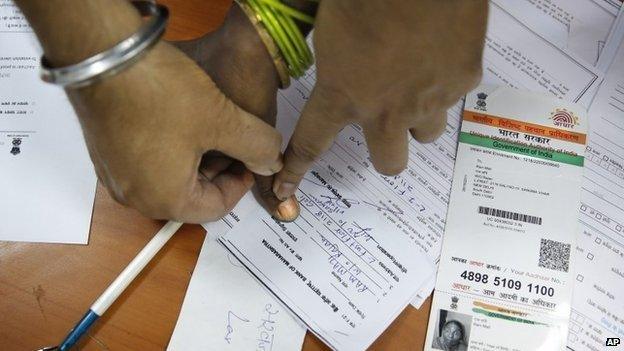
<point>284,190</point>
<point>288,210</point>
<point>264,172</point>
<point>272,169</point>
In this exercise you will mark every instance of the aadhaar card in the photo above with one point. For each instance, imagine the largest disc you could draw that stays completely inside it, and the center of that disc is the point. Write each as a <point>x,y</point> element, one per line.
<point>505,277</point>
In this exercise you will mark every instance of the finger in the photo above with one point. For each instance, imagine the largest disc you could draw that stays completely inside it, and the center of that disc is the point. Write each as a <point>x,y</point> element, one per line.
<point>431,129</point>
<point>288,210</point>
<point>264,186</point>
<point>285,211</point>
<point>388,148</point>
<point>248,139</point>
<point>211,200</point>
<point>314,134</point>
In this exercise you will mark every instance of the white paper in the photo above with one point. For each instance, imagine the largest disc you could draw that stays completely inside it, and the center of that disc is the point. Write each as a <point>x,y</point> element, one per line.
<point>47,181</point>
<point>612,6</point>
<point>613,43</point>
<point>519,57</point>
<point>226,309</point>
<point>598,300</point>
<point>340,266</point>
<point>580,26</point>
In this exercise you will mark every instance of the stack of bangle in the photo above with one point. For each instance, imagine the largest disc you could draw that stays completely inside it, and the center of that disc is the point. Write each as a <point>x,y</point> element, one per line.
<point>275,25</point>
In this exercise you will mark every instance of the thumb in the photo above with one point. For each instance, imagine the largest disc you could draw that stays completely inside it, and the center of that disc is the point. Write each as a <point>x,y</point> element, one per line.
<point>285,211</point>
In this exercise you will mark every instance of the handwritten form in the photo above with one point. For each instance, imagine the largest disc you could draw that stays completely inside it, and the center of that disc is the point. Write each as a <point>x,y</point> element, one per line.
<point>340,267</point>
<point>598,299</point>
<point>47,181</point>
<point>226,309</point>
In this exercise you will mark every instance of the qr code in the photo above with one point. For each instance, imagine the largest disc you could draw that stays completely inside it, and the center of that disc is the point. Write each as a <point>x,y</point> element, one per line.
<point>554,255</point>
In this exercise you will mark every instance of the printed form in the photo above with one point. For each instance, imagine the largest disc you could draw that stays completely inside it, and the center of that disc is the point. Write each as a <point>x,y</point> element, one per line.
<point>47,180</point>
<point>598,299</point>
<point>415,202</point>
<point>580,26</point>
<point>611,47</point>
<point>340,267</point>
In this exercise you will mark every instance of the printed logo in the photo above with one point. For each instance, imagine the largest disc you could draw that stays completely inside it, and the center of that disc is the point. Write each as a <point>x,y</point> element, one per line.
<point>15,150</point>
<point>454,301</point>
<point>481,104</point>
<point>564,118</point>
<point>613,341</point>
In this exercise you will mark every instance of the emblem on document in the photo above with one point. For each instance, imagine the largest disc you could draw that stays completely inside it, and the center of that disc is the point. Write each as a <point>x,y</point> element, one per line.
<point>481,104</point>
<point>15,150</point>
<point>564,118</point>
<point>454,301</point>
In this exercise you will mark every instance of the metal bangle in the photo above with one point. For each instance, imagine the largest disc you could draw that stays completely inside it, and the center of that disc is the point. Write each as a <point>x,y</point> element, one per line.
<point>115,59</point>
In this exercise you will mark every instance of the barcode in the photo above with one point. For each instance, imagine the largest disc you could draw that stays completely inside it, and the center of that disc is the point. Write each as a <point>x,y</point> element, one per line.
<point>510,215</point>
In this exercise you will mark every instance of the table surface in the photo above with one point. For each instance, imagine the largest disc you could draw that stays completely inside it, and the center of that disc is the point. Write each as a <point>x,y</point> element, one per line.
<point>45,288</point>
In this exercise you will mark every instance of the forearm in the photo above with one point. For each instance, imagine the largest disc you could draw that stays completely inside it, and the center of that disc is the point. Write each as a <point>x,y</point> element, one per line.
<point>72,30</point>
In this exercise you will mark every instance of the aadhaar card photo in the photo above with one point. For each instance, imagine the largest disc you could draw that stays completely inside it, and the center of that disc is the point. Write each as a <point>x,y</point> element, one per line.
<point>505,278</point>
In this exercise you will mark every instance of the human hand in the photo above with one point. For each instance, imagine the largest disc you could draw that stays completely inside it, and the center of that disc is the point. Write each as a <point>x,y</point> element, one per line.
<point>147,128</point>
<point>241,67</point>
<point>390,66</point>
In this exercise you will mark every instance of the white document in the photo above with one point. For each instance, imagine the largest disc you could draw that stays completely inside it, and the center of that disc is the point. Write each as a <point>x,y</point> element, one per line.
<point>225,309</point>
<point>47,181</point>
<point>416,200</point>
<point>580,26</point>
<point>517,56</point>
<point>612,6</point>
<point>505,278</point>
<point>598,299</point>
<point>340,266</point>
<point>613,43</point>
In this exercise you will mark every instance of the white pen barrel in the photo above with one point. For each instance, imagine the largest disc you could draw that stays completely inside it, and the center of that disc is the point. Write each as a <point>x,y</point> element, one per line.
<point>135,267</point>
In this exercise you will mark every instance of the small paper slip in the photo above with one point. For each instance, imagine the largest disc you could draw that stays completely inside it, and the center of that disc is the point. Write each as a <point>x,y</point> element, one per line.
<point>225,309</point>
<point>340,267</point>
<point>505,279</point>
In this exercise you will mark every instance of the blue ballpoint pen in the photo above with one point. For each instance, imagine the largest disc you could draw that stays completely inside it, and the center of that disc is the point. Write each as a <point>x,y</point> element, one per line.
<point>119,285</point>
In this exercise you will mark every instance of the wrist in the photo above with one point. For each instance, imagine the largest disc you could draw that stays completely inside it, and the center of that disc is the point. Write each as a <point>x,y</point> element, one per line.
<point>238,34</point>
<point>238,62</point>
<point>238,37</point>
<point>71,31</point>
